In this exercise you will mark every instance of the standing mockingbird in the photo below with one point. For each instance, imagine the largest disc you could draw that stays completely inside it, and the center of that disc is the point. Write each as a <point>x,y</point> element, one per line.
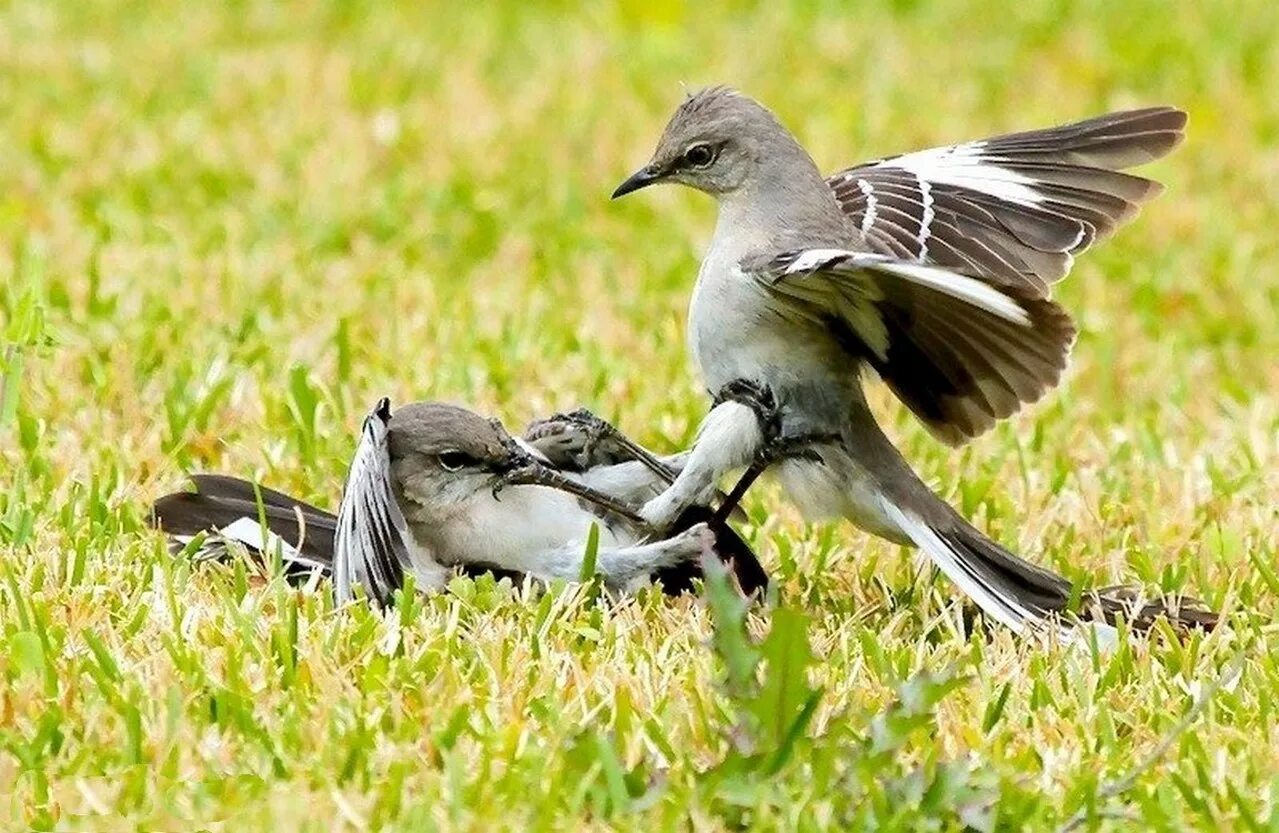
<point>435,486</point>
<point>931,268</point>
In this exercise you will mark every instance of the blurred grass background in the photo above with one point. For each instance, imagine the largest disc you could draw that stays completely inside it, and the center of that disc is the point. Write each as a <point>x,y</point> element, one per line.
<point>226,229</point>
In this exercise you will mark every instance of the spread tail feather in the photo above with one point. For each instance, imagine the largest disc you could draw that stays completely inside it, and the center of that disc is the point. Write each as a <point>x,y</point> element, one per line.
<point>227,508</point>
<point>1009,590</point>
<point>1142,611</point>
<point>1026,597</point>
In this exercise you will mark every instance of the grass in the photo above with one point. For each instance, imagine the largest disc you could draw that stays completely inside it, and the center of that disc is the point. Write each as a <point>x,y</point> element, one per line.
<point>226,229</point>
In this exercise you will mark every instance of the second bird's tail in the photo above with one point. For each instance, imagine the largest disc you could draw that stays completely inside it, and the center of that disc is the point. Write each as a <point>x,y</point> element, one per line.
<point>1024,596</point>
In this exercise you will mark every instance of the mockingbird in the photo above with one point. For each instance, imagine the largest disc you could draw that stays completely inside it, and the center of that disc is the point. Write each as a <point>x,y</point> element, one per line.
<point>932,269</point>
<point>434,487</point>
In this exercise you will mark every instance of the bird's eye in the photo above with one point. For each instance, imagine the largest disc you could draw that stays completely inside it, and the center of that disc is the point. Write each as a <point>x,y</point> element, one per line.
<point>454,460</point>
<point>699,155</point>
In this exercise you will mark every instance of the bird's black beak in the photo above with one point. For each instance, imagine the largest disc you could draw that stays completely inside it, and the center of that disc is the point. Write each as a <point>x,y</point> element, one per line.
<point>642,178</point>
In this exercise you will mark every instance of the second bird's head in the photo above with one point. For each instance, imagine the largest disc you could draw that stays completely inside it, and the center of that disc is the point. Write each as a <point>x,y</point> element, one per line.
<point>718,141</point>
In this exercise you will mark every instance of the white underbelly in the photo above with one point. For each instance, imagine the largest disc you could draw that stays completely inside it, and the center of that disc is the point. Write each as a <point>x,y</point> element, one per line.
<point>824,491</point>
<point>520,527</point>
<point>738,328</point>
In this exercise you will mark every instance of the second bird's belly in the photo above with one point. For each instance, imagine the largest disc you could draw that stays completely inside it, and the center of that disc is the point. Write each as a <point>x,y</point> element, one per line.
<point>736,331</point>
<point>837,488</point>
<point>739,329</point>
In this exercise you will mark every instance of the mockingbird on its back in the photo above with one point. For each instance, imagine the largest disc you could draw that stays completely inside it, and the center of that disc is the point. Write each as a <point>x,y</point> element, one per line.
<point>435,486</point>
<point>931,268</point>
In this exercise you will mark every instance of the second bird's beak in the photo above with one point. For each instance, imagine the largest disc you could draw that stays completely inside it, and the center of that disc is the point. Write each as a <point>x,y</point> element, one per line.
<point>642,178</point>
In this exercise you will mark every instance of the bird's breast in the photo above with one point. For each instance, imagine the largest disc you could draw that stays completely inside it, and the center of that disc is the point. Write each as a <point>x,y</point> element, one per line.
<point>738,328</point>
<point>517,526</point>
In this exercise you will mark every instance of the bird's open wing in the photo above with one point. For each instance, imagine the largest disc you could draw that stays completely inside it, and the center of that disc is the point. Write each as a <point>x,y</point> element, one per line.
<point>961,352</point>
<point>1012,209</point>
<point>369,544</point>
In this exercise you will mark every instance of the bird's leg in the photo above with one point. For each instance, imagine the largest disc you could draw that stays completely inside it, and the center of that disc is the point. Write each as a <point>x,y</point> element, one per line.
<point>587,443</point>
<point>629,568</point>
<point>522,469</point>
<point>734,497</point>
<point>776,445</point>
<point>728,439</point>
<point>601,431</point>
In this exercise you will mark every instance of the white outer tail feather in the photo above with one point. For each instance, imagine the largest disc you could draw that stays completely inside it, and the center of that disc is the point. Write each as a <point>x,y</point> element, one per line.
<point>1005,610</point>
<point>248,532</point>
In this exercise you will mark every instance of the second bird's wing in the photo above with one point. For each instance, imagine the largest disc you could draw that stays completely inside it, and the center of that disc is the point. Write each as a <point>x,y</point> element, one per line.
<point>1014,209</point>
<point>959,351</point>
<point>370,548</point>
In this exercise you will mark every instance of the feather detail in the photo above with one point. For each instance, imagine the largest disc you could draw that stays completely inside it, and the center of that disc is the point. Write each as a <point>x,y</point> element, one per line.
<point>1014,209</point>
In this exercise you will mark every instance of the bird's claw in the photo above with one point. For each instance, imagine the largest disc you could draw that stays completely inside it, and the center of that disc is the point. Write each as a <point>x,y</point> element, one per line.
<point>587,418</point>
<point>757,396</point>
<point>516,459</point>
<point>777,446</point>
<point>796,447</point>
<point>578,438</point>
<point>594,429</point>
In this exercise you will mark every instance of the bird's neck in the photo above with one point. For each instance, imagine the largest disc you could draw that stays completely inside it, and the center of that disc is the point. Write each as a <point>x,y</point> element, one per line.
<point>787,205</point>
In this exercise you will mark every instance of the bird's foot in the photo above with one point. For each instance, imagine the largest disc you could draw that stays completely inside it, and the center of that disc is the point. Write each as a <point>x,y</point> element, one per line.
<point>598,433</point>
<point>777,445</point>
<point>580,420</point>
<point>757,396</point>
<point>802,446</point>
<point>578,440</point>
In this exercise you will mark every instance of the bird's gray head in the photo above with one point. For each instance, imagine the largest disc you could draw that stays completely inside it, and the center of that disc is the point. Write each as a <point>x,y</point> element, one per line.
<point>441,455</point>
<point>444,457</point>
<point>718,141</point>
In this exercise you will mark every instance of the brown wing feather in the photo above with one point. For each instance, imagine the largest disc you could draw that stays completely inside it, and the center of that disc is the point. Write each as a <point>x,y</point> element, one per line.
<point>1015,208</point>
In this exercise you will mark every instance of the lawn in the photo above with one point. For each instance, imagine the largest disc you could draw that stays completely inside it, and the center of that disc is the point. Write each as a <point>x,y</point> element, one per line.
<point>227,229</point>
